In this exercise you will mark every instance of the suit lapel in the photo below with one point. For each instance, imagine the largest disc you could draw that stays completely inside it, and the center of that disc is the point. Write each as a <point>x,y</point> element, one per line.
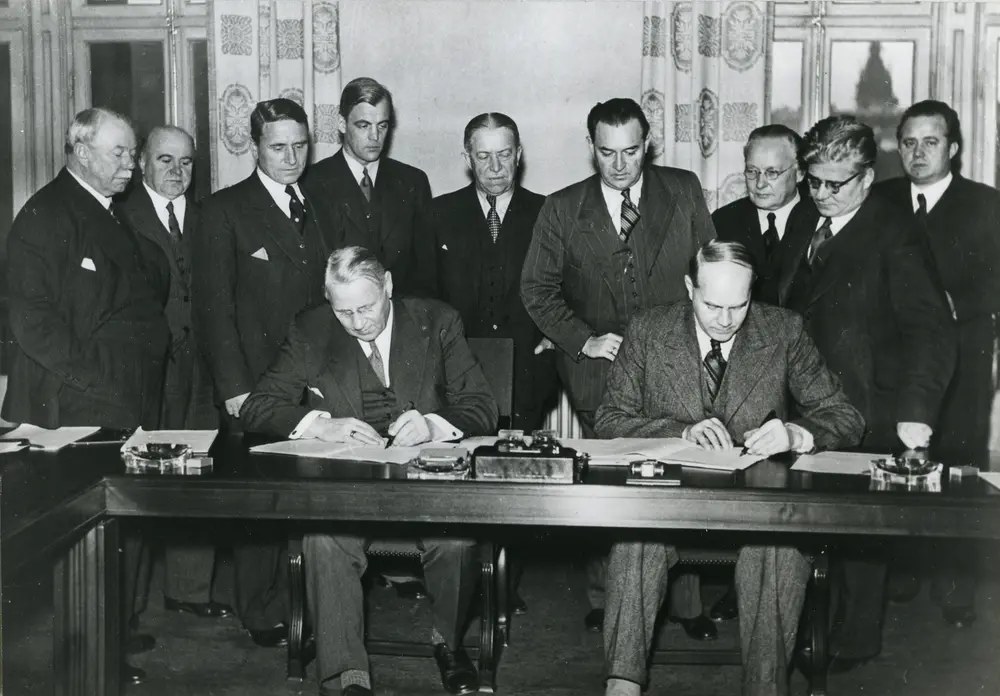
<point>276,223</point>
<point>656,209</point>
<point>112,236</point>
<point>748,361</point>
<point>407,355</point>
<point>346,189</point>
<point>342,367</point>
<point>795,245</point>
<point>682,372</point>
<point>471,260</point>
<point>147,223</point>
<point>846,253</point>
<point>596,230</point>
<point>515,234</point>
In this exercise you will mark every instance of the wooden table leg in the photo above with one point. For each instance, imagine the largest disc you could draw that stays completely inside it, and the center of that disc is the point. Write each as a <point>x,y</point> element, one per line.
<point>87,647</point>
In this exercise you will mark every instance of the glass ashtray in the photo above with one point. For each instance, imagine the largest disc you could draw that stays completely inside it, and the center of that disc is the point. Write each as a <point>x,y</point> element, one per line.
<point>907,466</point>
<point>903,472</point>
<point>156,458</point>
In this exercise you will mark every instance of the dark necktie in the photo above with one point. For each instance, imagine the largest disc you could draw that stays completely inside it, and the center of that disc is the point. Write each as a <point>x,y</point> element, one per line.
<point>366,184</point>
<point>375,358</point>
<point>296,209</point>
<point>820,237</point>
<point>715,368</point>
<point>493,218</point>
<point>114,213</point>
<point>921,208</point>
<point>172,225</point>
<point>770,237</point>
<point>630,216</point>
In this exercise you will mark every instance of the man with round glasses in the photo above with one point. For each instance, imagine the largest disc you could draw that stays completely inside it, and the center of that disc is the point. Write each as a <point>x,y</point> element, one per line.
<point>863,281</point>
<point>759,221</point>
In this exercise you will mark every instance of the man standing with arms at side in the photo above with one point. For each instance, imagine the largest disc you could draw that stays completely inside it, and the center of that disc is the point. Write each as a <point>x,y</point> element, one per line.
<point>960,220</point>
<point>602,250</point>
<point>863,282</point>
<point>158,210</point>
<point>759,221</point>
<point>374,201</point>
<point>258,258</point>
<point>86,300</point>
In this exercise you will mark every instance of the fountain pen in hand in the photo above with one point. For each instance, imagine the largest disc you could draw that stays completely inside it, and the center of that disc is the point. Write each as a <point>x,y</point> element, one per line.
<point>770,415</point>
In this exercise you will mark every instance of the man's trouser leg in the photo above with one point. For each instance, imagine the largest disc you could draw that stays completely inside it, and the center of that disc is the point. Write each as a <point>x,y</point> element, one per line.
<point>450,577</point>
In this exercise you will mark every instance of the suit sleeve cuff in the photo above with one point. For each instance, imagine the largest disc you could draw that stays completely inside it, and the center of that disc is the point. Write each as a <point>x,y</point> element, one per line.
<point>802,440</point>
<point>441,429</point>
<point>306,421</point>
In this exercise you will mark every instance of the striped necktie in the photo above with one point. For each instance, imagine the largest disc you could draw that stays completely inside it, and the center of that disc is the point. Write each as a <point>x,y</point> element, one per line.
<point>493,218</point>
<point>630,216</point>
<point>715,368</point>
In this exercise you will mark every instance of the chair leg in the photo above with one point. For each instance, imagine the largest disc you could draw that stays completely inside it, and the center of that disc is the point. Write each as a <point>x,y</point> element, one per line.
<point>488,620</point>
<point>503,596</point>
<point>296,603</point>
<point>820,624</point>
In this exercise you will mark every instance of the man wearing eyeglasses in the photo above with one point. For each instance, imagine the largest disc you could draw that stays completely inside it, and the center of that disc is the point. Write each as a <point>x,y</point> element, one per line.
<point>863,282</point>
<point>760,220</point>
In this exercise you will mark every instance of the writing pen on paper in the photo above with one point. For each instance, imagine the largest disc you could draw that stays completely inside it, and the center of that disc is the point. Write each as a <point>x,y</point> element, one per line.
<point>388,443</point>
<point>770,416</point>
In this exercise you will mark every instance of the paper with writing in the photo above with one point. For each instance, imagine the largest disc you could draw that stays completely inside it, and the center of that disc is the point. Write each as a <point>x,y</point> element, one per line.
<point>50,440</point>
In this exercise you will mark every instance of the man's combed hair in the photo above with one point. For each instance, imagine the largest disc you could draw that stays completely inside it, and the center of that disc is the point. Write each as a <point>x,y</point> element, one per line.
<point>490,120</point>
<point>776,131</point>
<point>363,90</point>
<point>347,264</point>
<point>840,139</point>
<point>616,112</point>
<point>717,250</point>
<point>274,110</point>
<point>85,125</point>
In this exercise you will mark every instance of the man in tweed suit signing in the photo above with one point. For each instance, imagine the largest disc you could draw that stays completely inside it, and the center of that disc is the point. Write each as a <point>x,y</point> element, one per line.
<point>710,370</point>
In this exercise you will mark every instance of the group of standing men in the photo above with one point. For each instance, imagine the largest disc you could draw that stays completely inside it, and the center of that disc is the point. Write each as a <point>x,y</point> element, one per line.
<point>153,310</point>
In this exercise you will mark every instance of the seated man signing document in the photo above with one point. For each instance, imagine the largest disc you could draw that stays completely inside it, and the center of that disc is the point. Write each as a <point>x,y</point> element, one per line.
<point>711,370</point>
<point>372,368</point>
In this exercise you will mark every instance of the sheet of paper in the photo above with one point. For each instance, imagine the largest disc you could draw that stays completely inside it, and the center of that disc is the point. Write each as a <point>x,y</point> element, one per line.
<point>991,477</point>
<point>50,440</point>
<point>6,447</point>
<point>620,451</point>
<point>340,450</point>
<point>200,441</point>
<point>851,463</point>
<point>722,460</point>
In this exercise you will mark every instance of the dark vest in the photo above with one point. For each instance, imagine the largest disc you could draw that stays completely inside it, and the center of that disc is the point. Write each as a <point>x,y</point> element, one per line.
<point>379,404</point>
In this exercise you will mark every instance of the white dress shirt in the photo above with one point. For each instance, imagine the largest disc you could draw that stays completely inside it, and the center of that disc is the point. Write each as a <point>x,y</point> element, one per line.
<point>780,217</point>
<point>503,202</point>
<point>160,206</point>
<point>441,430</point>
<point>277,191</point>
<point>613,199</point>
<point>838,223</point>
<point>932,193</point>
<point>357,168</point>
<point>105,201</point>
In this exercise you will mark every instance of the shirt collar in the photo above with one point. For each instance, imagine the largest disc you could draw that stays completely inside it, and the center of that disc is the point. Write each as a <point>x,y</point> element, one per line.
<point>503,202</point>
<point>383,341</point>
<point>277,190</point>
<point>160,202</point>
<point>932,193</point>
<point>838,223</point>
<point>105,201</point>
<point>357,167</point>
<point>613,199</point>
<point>780,216</point>
<point>705,341</point>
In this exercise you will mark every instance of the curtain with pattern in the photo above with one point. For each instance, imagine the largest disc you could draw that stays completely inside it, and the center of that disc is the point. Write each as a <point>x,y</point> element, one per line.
<point>703,87</point>
<point>263,49</point>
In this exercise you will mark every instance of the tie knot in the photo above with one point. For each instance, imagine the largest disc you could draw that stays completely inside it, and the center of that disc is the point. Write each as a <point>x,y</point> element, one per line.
<point>290,191</point>
<point>716,346</point>
<point>492,200</point>
<point>626,195</point>
<point>771,217</point>
<point>922,201</point>
<point>170,206</point>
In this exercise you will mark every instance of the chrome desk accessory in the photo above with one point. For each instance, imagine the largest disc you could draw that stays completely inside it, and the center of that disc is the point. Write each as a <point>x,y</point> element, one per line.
<point>439,463</point>
<point>912,470</point>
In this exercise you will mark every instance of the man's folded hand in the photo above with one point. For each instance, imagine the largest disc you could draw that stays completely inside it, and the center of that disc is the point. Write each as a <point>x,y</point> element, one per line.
<point>410,429</point>
<point>350,430</point>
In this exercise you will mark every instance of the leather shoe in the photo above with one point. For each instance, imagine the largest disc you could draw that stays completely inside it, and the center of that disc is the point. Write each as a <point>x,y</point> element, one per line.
<point>355,690</point>
<point>518,605</point>
<point>132,675</point>
<point>137,643</point>
<point>203,610</point>
<point>698,628</point>
<point>458,674</point>
<point>959,617</point>
<point>594,620</point>
<point>274,637</point>
<point>726,609</point>
<point>840,665</point>
<point>411,589</point>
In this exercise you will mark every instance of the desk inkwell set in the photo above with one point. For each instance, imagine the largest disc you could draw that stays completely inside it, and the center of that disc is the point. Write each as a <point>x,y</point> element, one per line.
<point>162,458</point>
<point>540,458</point>
<point>912,470</point>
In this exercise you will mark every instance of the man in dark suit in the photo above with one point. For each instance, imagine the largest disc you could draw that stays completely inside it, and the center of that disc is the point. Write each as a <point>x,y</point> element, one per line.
<point>863,282</point>
<point>158,210</point>
<point>759,221</point>
<point>602,250</point>
<point>86,301</point>
<point>709,370</point>
<point>370,369</point>
<point>374,201</point>
<point>958,220</point>
<point>257,260</point>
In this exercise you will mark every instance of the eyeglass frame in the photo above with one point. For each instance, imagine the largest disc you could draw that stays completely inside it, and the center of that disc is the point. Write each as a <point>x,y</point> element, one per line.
<point>768,178</point>
<point>814,183</point>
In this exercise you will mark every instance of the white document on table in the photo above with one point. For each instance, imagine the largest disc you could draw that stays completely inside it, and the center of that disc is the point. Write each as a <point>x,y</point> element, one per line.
<point>321,449</point>
<point>991,477</point>
<point>849,463</point>
<point>50,440</point>
<point>7,447</point>
<point>672,450</point>
<point>720,460</point>
<point>200,441</point>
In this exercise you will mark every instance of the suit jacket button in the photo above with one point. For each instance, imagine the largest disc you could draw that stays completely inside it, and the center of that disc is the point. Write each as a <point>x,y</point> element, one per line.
<point>494,327</point>
<point>302,246</point>
<point>368,216</point>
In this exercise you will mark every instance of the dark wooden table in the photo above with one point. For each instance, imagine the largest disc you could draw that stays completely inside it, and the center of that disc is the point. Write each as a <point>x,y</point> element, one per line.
<point>64,509</point>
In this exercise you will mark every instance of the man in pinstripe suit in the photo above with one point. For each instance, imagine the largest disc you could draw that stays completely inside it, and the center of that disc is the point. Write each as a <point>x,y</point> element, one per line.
<point>602,250</point>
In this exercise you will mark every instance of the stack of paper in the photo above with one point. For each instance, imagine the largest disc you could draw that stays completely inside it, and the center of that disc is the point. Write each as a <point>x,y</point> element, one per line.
<point>341,450</point>
<point>671,450</point>
<point>49,440</point>
<point>991,477</point>
<point>836,463</point>
<point>200,441</point>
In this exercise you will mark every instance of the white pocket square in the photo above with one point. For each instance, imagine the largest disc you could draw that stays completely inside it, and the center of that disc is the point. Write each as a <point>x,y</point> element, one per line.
<point>261,254</point>
<point>88,263</point>
<point>316,391</point>
<point>445,247</point>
